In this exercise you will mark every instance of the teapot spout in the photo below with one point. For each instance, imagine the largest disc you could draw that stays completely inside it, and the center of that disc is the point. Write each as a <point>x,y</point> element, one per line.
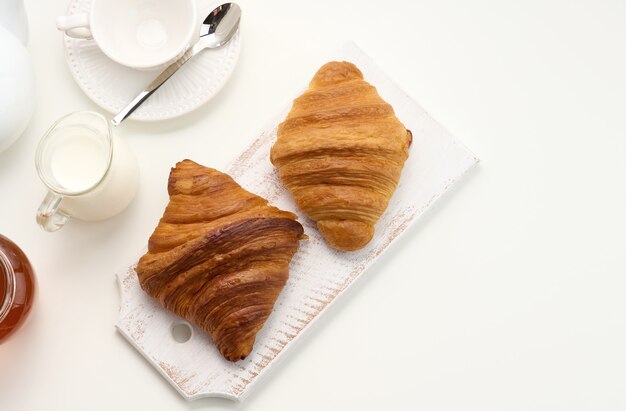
<point>13,18</point>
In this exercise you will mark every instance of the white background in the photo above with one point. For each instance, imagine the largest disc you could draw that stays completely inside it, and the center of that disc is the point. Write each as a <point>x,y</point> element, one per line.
<point>510,294</point>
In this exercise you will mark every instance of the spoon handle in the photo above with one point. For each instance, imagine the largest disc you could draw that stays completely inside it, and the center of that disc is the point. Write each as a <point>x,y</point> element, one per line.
<point>156,83</point>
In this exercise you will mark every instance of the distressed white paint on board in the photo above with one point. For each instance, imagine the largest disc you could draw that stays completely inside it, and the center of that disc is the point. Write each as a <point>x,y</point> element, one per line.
<point>318,274</point>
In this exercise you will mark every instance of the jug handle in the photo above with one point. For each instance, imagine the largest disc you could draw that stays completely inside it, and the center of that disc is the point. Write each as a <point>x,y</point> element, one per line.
<point>49,215</point>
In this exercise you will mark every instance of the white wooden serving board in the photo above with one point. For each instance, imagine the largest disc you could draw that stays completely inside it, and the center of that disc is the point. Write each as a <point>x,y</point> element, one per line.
<point>318,274</point>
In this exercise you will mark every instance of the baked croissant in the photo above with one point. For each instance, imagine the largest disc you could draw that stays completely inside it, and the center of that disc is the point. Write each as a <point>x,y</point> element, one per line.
<point>219,257</point>
<point>340,152</point>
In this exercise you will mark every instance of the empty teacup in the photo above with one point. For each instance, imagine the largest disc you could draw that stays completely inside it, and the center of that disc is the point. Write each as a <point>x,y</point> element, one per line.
<point>91,174</point>
<point>142,34</point>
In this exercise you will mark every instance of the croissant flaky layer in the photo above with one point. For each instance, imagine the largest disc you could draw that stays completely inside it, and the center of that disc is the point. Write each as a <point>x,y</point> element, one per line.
<point>219,257</point>
<point>340,152</point>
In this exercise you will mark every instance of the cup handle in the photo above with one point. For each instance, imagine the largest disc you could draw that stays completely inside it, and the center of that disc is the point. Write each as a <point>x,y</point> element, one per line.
<point>75,26</point>
<point>49,216</point>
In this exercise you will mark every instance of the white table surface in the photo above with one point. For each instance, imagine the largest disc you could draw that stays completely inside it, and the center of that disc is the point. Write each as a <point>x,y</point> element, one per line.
<point>510,294</point>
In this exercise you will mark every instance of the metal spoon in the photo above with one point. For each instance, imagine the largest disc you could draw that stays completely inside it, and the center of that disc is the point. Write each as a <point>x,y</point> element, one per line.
<point>216,30</point>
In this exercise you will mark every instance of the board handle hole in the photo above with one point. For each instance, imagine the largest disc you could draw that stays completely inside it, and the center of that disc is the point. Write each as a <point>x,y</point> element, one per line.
<point>181,332</point>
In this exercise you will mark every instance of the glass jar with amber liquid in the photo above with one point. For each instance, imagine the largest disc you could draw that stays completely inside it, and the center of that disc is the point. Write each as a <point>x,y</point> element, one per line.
<point>17,287</point>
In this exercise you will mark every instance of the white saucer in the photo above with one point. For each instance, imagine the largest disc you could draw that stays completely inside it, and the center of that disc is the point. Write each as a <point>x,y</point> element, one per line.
<point>112,86</point>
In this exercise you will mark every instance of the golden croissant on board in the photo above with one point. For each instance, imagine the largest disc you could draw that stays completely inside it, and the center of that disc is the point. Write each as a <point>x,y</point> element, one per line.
<point>219,257</point>
<point>340,152</point>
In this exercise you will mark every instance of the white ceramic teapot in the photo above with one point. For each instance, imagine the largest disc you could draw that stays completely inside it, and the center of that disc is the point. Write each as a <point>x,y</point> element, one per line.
<point>17,82</point>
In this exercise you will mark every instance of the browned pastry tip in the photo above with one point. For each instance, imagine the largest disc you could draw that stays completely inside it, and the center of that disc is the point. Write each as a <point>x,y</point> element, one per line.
<point>340,152</point>
<point>346,235</point>
<point>219,256</point>
<point>334,73</point>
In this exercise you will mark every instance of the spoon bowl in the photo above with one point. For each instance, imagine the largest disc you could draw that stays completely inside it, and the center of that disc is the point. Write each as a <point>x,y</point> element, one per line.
<point>220,25</point>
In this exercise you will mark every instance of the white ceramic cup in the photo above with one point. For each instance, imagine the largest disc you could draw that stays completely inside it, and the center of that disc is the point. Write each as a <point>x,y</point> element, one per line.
<point>91,174</point>
<point>142,34</point>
